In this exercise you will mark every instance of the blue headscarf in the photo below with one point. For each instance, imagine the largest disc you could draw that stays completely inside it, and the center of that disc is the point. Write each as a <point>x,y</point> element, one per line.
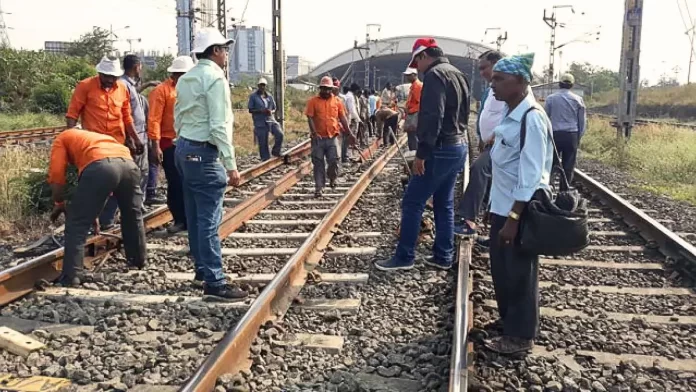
<point>516,65</point>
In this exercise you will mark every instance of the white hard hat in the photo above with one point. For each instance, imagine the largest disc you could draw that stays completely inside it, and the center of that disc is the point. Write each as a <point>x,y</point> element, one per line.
<point>110,66</point>
<point>181,64</point>
<point>411,71</point>
<point>262,80</point>
<point>208,37</point>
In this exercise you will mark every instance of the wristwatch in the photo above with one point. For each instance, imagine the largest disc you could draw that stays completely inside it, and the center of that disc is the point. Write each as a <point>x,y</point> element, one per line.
<point>514,215</point>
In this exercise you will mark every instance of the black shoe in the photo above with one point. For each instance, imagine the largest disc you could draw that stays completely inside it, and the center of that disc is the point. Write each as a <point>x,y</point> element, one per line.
<point>65,281</point>
<point>332,184</point>
<point>483,242</point>
<point>224,293</point>
<point>176,228</point>
<point>318,193</point>
<point>154,200</point>
<point>198,279</point>
<point>437,263</point>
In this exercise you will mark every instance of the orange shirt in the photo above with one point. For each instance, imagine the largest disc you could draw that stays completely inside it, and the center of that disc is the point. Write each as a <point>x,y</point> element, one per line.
<point>80,148</point>
<point>379,103</point>
<point>414,96</point>
<point>160,121</point>
<point>102,111</point>
<point>325,114</point>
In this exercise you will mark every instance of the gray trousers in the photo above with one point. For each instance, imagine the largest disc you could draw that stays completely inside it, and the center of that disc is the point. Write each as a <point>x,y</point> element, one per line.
<point>479,179</point>
<point>324,152</point>
<point>108,216</point>
<point>516,283</point>
<point>97,181</point>
<point>345,154</point>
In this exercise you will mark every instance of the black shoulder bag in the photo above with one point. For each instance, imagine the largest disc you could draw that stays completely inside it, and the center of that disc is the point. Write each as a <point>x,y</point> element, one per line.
<point>552,227</point>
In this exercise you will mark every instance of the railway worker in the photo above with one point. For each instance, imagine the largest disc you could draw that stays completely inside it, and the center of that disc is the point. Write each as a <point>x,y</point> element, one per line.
<point>105,167</point>
<point>412,105</point>
<point>442,125</point>
<point>205,157</point>
<point>151,197</point>
<point>365,113</point>
<point>388,96</point>
<point>518,172</point>
<point>387,119</point>
<point>353,120</point>
<point>491,113</point>
<point>324,114</point>
<point>567,113</point>
<point>162,137</point>
<point>262,106</point>
<point>372,103</point>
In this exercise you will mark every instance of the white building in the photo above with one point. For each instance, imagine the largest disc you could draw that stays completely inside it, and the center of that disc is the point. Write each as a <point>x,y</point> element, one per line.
<point>193,15</point>
<point>296,66</point>
<point>253,53</point>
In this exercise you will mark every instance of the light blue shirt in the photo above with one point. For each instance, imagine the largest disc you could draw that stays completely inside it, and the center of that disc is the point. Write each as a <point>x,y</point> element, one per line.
<point>518,174</point>
<point>566,111</point>
<point>372,101</point>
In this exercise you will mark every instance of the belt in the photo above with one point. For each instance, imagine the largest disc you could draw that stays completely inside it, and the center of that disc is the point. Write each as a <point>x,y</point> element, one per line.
<point>448,143</point>
<point>199,144</point>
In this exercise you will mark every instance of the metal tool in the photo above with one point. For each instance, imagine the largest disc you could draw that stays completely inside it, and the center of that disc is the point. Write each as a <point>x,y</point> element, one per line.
<point>398,148</point>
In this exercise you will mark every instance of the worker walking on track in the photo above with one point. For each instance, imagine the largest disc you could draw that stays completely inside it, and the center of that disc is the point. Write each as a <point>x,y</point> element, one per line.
<point>325,115</point>
<point>105,167</point>
<point>412,106</point>
<point>162,136</point>
<point>262,106</point>
<point>205,158</point>
<point>520,168</point>
<point>491,113</point>
<point>442,125</point>
<point>353,121</point>
<point>567,113</point>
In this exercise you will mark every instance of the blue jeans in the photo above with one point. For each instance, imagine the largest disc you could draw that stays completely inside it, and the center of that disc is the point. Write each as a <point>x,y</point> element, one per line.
<point>441,171</point>
<point>152,177</point>
<point>262,138</point>
<point>204,180</point>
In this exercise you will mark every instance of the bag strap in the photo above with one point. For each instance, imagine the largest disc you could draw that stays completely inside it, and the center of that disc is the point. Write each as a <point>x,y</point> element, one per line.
<point>523,136</point>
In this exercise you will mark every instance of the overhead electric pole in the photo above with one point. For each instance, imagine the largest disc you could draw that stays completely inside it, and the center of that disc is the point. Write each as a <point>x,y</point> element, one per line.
<point>366,48</point>
<point>552,22</point>
<point>278,63</point>
<point>501,40</point>
<point>222,17</point>
<point>629,70</point>
<point>692,35</point>
<point>4,38</point>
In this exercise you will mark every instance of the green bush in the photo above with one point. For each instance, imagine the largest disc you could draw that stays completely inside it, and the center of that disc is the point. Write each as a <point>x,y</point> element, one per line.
<point>53,97</point>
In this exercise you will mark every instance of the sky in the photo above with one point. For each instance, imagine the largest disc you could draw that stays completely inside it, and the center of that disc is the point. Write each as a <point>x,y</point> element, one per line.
<point>319,29</point>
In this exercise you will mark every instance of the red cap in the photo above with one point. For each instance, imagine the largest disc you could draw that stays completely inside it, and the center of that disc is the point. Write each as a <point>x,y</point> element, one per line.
<point>419,46</point>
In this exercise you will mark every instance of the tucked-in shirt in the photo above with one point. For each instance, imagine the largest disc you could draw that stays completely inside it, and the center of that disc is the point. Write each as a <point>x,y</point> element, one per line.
<point>517,174</point>
<point>203,110</point>
<point>351,107</point>
<point>414,95</point>
<point>160,122</point>
<point>325,114</point>
<point>566,111</point>
<point>80,148</point>
<point>103,111</point>
<point>257,102</point>
<point>372,101</point>
<point>490,116</point>
<point>388,97</point>
<point>137,104</point>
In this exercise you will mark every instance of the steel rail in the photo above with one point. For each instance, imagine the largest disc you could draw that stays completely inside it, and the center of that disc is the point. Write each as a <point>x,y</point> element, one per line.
<point>29,135</point>
<point>230,354</point>
<point>460,360</point>
<point>21,279</point>
<point>643,121</point>
<point>668,241</point>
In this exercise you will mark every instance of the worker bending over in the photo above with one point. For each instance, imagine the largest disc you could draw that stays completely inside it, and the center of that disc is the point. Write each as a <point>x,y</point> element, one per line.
<point>105,167</point>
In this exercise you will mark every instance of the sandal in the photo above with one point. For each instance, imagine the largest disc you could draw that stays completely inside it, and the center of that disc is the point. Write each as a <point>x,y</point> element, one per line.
<point>509,345</point>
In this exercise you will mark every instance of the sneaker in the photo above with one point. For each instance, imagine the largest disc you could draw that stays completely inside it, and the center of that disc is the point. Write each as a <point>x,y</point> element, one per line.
<point>392,265</point>
<point>224,293</point>
<point>318,193</point>
<point>437,263</point>
<point>154,200</point>
<point>464,229</point>
<point>176,228</point>
<point>509,345</point>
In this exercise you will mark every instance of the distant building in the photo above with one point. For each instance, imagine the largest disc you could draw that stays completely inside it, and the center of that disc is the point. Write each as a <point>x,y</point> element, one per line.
<point>252,55</point>
<point>296,66</point>
<point>57,47</point>
<point>193,15</point>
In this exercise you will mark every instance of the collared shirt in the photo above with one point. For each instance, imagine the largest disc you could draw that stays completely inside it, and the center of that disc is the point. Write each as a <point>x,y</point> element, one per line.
<point>325,114</point>
<point>490,116</point>
<point>372,101</point>
<point>351,107</point>
<point>137,107</point>
<point>203,110</point>
<point>566,111</point>
<point>258,101</point>
<point>160,122</point>
<point>388,97</point>
<point>414,96</point>
<point>103,111</point>
<point>80,148</point>
<point>518,174</point>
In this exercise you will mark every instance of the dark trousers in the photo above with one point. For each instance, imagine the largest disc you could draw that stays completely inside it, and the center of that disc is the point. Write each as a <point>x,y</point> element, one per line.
<point>373,125</point>
<point>567,145</point>
<point>175,191</point>
<point>152,177</point>
<point>391,122</point>
<point>412,141</point>
<point>516,283</point>
<point>324,153</point>
<point>97,181</point>
<point>479,180</point>
<point>262,137</point>
<point>108,215</point>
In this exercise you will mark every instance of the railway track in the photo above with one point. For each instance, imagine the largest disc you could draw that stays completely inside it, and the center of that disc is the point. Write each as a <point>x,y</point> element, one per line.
<point>28,136</point>
<point>643,121</point>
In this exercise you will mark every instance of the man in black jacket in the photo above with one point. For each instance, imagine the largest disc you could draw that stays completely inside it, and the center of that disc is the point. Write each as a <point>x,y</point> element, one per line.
<point>442,127</point>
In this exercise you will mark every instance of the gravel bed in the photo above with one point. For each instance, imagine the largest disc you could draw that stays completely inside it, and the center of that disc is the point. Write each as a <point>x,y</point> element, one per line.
<point>582,276</point>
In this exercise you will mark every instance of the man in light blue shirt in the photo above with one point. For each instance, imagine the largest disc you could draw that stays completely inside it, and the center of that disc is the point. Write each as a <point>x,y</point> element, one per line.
<point>262,106</point>
<point>205,158</point>
<point>372,102</point>
<point>520,168</point>
<point>567,113</point>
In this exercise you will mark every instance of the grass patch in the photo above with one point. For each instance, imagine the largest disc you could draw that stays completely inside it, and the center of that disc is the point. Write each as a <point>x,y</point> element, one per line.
<point>11,122</point>
<point>669,171</point>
